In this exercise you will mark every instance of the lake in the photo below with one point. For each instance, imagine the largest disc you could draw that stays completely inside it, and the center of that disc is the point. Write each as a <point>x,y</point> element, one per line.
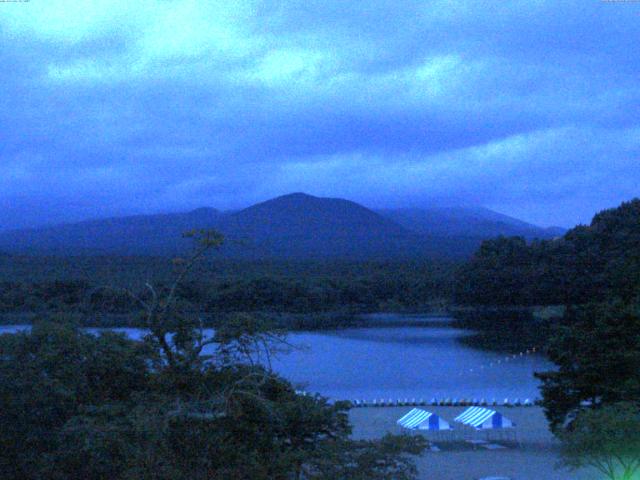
<point>399,356</point>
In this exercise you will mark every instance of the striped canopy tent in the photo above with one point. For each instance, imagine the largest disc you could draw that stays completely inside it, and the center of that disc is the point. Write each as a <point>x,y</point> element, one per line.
<point>418,419</point>
<point>483,418</point>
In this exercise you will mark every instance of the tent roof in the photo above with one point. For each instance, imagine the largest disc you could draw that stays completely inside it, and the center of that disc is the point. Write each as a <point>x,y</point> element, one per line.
<point>475,416</point>
<point>414,418</point>
<point>478,416</point>
<point>423,420</point>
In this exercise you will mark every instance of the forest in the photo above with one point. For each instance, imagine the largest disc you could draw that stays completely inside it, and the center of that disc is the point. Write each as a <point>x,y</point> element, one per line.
<point>593,263</point>
<point>98,288</point>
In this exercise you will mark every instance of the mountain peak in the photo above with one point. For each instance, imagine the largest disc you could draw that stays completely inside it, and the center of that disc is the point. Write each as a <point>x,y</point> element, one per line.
<point>293,197</point>
<point>204,211</point>
<point>296,195</point>
<point>297,203</point>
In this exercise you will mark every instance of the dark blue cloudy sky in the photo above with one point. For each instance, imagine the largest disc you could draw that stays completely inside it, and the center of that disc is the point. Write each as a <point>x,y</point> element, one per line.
<point>119,106</point>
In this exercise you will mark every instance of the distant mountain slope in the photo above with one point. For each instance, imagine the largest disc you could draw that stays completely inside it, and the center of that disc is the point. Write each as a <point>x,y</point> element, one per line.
<point>300,225</point>
<point>140,234</point>
<point>291,226</point>
<point>475,222</point>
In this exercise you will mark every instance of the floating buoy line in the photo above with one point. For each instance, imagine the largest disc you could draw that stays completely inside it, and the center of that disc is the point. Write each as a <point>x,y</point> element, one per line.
<point>449,401</point>
<point>435,402</point>
<point>506,359</point>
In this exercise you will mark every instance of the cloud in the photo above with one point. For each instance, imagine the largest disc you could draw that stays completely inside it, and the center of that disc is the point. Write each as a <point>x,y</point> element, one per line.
<point>112,107</point>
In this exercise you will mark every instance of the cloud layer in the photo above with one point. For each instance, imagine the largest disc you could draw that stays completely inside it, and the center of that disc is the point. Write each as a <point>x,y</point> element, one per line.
<point>113,107</point>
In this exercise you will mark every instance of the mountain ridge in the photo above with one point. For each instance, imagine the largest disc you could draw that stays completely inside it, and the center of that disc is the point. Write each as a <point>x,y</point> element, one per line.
<point>295,225</point>
<point>460,221</point>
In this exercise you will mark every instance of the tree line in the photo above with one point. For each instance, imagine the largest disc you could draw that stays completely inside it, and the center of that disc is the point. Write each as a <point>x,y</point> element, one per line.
<point>339,288</point>
<point>592,263</point>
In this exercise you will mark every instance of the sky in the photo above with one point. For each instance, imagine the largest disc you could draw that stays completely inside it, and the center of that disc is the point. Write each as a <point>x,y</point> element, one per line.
<point>114,107</point>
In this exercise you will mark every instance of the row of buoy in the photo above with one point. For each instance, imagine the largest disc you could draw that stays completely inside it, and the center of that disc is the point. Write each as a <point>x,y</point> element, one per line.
<point>506,359</point>
<point>447,402</point>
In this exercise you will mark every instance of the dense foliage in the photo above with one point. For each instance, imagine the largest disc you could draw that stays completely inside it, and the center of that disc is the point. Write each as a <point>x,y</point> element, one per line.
<point>47,285</point>
<point>607,439</point>
<point>81,406</point>
<point>178,405</point>
<point>588,264</point>
<point>597,351</point>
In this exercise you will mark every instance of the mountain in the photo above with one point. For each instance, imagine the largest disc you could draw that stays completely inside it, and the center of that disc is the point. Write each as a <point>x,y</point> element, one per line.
<point>140,234</point>
<point>470,222</point>
<point>291,226</point>
<point>300,225</point>
<point>296,226</point>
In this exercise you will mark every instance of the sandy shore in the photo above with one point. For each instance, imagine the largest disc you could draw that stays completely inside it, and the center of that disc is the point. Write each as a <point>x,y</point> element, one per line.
<point>535,457</point>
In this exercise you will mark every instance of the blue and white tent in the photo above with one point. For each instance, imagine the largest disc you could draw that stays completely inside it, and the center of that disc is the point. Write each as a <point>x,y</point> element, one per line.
<point>483,418</point>
<point>418,419</point>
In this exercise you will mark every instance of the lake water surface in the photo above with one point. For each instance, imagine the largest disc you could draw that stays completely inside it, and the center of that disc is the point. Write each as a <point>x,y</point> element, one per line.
<point>400,356</point>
